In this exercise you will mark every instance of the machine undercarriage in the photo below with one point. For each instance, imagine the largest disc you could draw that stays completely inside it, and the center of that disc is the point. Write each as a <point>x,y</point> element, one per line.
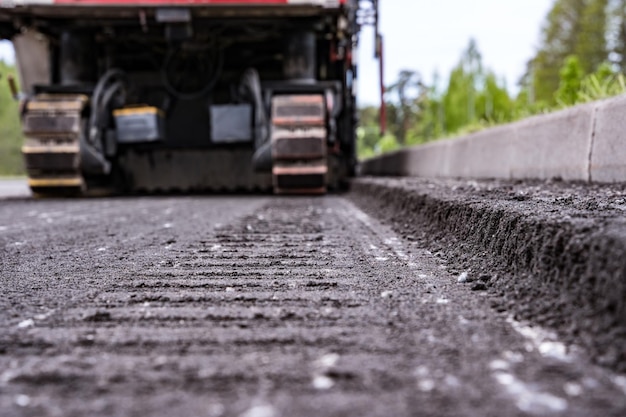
<point>182,99</point>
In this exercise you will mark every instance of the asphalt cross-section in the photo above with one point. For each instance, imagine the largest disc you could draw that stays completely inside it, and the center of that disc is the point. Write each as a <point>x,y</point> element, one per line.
<point>260,307</point>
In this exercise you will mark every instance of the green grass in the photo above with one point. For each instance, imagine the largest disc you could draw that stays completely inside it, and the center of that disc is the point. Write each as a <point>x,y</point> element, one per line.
<point>11,163</point>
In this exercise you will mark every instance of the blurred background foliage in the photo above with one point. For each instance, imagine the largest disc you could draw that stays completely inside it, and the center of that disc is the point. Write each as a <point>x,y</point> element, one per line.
<point>10,132</point>
<point>581,58</point>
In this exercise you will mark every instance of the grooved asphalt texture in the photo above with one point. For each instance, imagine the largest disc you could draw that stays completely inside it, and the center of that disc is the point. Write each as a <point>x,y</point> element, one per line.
<point>260,307</point>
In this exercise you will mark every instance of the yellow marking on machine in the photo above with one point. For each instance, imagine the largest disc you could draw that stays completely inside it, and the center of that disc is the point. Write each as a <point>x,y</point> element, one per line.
<point>131,111</point>
<point>50,149</point>
<point>57,103</point>
<point>55,182</point>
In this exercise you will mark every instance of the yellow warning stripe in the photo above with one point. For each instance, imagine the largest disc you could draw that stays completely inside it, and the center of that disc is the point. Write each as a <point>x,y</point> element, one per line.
<point>56,103</point>
<point>55,182</point>
<point>50,149</point>
<point>131,111</point>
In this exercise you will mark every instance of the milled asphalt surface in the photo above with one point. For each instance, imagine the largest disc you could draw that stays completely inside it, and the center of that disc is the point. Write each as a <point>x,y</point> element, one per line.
<point>262,306</point>
<point>552,251</point>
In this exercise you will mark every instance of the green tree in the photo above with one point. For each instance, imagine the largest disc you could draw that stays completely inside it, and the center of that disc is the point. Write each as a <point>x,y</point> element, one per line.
<point>394,118</point>
<point>617,33</point>
<point>471,92</point>
<point>572,27</point>
<point>603,83</point>
<point>368,132</point>
<point>408,88</point>
<point>559,39</point>
<point>493,104</point>
<point>457,100</point>
<point>571,79</point>
<point>430,123</point>
<point>591,45</point>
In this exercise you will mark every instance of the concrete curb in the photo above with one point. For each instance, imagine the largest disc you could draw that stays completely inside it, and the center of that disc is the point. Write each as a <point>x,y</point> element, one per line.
<point>583,143</point>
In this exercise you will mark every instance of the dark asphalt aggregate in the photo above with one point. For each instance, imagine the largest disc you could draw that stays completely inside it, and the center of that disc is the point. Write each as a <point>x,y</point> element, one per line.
<point>262,307</point>
<point>552,251</point>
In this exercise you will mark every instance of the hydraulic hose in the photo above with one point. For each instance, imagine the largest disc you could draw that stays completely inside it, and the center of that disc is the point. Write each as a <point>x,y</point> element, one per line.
<point>93,160</point>
<point>97,104</point>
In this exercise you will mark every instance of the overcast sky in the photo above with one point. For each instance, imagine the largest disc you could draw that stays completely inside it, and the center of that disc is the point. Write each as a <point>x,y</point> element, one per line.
<point>429,35</point>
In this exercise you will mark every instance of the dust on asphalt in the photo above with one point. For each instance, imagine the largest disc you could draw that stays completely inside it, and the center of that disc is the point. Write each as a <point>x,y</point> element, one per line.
<point>261,306</point>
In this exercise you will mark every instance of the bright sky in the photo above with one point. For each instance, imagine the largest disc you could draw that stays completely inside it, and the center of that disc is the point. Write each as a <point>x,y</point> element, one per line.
<point>430,35</point>
<point>6,51</point>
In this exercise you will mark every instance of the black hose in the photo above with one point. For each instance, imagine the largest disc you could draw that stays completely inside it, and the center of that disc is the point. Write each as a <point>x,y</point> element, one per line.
<point>92,160</point>
<point>102,82</point>
<point>262,158</point>
<point>109,94</point>
<point>96,105</point>
<point>92,153</point>
<point>251,81</point>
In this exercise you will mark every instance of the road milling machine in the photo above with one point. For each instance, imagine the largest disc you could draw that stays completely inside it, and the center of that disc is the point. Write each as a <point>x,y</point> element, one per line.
<point>187,95</point>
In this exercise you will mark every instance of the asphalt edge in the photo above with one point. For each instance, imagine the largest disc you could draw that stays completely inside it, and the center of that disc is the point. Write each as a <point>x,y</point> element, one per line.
<point>569,276</point>
<point>582,143</point>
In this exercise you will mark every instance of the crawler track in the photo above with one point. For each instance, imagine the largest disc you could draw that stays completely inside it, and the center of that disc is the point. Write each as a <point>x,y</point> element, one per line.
<point>260,306</point>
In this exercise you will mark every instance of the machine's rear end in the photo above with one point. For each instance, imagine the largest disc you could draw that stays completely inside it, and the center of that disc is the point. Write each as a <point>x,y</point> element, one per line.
<point>217,95</point>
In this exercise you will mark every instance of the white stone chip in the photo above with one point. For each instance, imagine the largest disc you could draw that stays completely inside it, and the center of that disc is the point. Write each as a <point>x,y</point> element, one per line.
<point>499,365</point>
<point>426,385</point>
<point>328,360</point>
<point>620,381</point>
<point>322,382</point>
<point>263,410</point>
<point>22,400</point>
<point>573,389</point>
<point>26,323</point>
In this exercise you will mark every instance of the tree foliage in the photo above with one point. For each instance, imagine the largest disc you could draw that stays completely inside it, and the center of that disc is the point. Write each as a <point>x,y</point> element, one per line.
<point>409,88</point>
<point>591,43</point>
<point>583,48</point>
<point>617,32</point>
<point>572,27</point>
<point>570,81</point>
<point>473,97</point>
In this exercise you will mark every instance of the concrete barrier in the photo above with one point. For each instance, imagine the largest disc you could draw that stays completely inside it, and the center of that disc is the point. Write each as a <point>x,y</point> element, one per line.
<point>608,154</point>
<point>485,154</point>
<point>426,160</point>
<point>585,143</point>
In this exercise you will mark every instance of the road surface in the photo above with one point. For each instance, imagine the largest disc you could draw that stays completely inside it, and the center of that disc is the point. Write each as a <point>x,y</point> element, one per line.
<point>261,306</point>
